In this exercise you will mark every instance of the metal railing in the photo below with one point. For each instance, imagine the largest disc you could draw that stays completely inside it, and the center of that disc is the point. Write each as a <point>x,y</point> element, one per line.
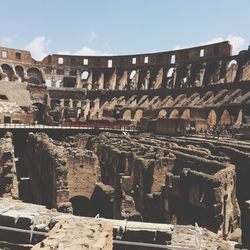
<point>42,126</point>
<point>197,236</point>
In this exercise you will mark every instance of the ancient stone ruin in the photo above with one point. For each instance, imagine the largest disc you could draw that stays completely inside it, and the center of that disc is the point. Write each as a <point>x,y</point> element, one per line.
<point>154,146</point>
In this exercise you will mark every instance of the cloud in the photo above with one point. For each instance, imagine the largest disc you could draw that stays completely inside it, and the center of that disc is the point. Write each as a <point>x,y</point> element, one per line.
<point>86,51</point>
<point>5,41</point>
<point>176,47</point>
<point>37,47</point>
<point>63,52</point>
<point>39,44</point>
<point>237,42</point>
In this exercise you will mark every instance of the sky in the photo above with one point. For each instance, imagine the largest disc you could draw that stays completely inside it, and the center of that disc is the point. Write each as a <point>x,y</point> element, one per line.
<point>116,27</point>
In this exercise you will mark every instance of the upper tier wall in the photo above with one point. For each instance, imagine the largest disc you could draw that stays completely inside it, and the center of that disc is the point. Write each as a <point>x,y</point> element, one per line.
<point>170,57</point>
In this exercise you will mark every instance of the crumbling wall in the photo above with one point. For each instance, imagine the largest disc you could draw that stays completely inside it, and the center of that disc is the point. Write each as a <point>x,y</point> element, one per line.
<point>79,234</point>
<point>155,177</point>
<point>60,171</point>
<point>246,224</point>
<point>8,177</point>
<point>47,167</point>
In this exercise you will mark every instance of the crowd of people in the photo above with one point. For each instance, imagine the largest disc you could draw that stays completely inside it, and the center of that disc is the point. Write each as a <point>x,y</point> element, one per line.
<point>216,131</point>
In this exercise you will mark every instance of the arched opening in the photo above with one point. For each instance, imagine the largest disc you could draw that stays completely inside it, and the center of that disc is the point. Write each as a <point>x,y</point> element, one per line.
<point>239,119</point>
<point>174,114</point>
<point>20,73</point>
<point>38,112</point>
<point>225,118</point>
<point>183,82</point>
<point>162,113</point>
<point>138,115</point>
<point>210,73</point>
<point>231,70</point>
<point>169,82</point>
<point>85,75</point>
<point>80,205</point>
<point>211,119</point>
<point>54,103</point>
<point>58,83</point>
<point>127,115</point>
<point>35,76</point>
<point>170,72</point>
<point>76,104</point>
<point>8,71</point>
<point>186,114</point>
<point>231,63</point>
<point>197,74</point>
<point>48,82</point>
<point>132,74</point>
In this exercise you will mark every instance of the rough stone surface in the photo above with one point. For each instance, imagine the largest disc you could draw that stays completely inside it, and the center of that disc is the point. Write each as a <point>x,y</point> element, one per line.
<point>78,234</point>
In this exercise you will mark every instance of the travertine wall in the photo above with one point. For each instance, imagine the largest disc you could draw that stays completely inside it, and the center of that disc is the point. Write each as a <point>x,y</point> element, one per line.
<point>199,81</point>
<point>79,234</point>
<point>246,224</point>
<point>8,175</point>
<point>60,171</point>
<point>156,178</point>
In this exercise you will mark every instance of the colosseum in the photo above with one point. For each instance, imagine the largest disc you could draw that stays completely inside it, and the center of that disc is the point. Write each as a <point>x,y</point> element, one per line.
<point>125,152</point>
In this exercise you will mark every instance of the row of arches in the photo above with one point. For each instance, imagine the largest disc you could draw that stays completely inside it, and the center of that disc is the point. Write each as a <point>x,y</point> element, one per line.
<point>184,75</point>
<point>178,76</point>
<point>18,73</point>
<point>211,116</point>
<point>127,115</point>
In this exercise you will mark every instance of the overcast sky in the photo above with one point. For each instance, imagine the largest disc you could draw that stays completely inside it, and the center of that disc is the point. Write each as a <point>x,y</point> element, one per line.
<point>112,27</point>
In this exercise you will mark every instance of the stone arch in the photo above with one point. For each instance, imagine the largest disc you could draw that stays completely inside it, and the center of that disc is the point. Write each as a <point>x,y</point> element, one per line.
<point>174,113</point>
<point>58,83</point>
<point>20,72</point>
<point>80,205</point>
<point>132,74</point>
<point>180,100</point>
<point>184,81</point>
<point>127,114</point>
<point>76,104</point>
<point>212,118</point>
<point>231,70</point>
<point>198,73</point>
<point>162,113</point>
<point>186,114</point>
<point>54,103</point>
<point>170,72</point>
<point>239,118</point>
<point>225,117</point>
<point>245,72</point>
<point>48,82</point>
<point>193,99</point>
<point>35,75</point>
<point>8,72</point>
<point>133,80</point>
<point>138,115</point>
<point>169,77</point>
<point>212,73</point>
<point>85,75</point>
<point>230,63</point>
